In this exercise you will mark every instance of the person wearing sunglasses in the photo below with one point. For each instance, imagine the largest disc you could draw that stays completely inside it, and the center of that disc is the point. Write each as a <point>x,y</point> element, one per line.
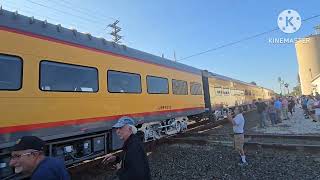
<point>28,158</point>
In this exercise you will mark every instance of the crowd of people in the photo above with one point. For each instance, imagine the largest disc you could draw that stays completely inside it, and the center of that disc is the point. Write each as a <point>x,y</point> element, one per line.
<point>282,108</point>
<point>311,107</point>
<point>275,111</point>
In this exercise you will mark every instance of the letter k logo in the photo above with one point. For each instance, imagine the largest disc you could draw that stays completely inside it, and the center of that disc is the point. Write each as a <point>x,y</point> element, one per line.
<point>288,21</point>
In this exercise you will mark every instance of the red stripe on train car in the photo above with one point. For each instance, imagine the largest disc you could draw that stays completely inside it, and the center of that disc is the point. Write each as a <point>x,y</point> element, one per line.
<point>83,47</point>
<point>28,127</point>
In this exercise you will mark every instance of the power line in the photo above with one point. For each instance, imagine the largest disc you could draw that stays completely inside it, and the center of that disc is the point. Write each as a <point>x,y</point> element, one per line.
<point>229,44</point>
<point>114,33</point>
<point>87,10</point>
<point>312,17</point>
<point>82,18</point>
<point>82,11</point>
<point>241,40</point>
<point>26,9</point>
<point>67,13</point>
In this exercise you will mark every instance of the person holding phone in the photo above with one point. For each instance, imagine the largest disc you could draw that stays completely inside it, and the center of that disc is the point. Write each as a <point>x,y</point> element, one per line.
<point>238,122</point>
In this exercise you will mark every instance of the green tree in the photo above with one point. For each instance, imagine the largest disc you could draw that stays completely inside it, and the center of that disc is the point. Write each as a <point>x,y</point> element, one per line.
<point>296,91</point>
<point>254,83</point>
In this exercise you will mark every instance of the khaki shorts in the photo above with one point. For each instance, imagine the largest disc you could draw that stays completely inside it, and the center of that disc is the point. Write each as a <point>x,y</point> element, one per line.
<point>238,141</point>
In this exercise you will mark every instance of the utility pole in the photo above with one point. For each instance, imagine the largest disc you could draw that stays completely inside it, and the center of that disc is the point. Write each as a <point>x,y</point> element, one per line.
<point>280,82</point>
<point>282,85</point>
<point>317,29</point>
<point>115,30</point>
<point>174,55</point>
<point>287,86</point>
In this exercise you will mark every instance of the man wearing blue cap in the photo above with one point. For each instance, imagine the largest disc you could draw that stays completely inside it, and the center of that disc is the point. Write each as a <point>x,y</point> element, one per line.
<point>134,162</point>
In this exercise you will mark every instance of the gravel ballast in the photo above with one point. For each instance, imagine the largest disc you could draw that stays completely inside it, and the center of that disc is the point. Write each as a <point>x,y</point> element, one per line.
<point>190,161</point>
<point>185,161</point>
<point>182,160</point>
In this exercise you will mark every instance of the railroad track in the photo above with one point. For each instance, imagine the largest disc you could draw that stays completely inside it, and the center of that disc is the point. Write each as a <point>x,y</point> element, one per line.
<point>205,133</point>
<point>307,143</point>
<point>200,127</point>
<point>149,146</point>
<point>284,141</point>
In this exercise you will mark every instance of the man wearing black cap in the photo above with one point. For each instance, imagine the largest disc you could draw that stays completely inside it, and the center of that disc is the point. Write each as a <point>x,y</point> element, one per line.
<point>28,158</point>
<point>134,162</point>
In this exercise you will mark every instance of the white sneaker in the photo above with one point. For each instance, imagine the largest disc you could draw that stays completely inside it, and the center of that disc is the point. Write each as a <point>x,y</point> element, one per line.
<point>243,163</point>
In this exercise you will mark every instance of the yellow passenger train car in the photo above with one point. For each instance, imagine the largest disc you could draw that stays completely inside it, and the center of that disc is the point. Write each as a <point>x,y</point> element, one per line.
<point>226,92</point>
<point>65,86</point>
<point>69,88</point>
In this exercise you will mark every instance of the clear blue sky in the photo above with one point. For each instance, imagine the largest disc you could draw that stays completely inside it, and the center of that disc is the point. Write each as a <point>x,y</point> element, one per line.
<point>189,27</point>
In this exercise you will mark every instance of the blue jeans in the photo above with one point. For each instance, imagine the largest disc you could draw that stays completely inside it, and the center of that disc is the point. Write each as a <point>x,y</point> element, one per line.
<point>278,115</point>
<point>285,113</point>
<point>273,118</point>
<point>262,118</point>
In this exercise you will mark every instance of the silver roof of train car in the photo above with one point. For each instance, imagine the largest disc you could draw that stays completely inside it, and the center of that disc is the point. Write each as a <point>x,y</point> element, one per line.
<point>22,23</point>
<point>234,80</point>
<point>13,20</point>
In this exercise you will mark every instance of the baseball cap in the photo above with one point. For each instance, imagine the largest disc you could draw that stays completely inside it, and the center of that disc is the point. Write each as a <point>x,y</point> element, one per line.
<point>29,142</point>
<point>123,121</point>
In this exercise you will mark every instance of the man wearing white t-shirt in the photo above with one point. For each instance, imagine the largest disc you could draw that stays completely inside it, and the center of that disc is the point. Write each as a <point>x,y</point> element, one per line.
<point>238,125</point>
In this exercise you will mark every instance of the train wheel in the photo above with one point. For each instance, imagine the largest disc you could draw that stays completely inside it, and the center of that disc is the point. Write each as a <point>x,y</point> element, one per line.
<point>157,134</point>
<point>178,127</point>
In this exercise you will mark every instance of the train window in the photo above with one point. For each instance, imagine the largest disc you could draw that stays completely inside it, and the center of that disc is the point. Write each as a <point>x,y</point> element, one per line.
<point>62,77</point>
<point>196,88</point>
<point>226,91</point>
<point>233,92</point>
<point>123,82</point>
<point>157,85</point>
<point>179,87</point>
<point>10,72</point>
<point>239,92</point>
<point>218,91</point>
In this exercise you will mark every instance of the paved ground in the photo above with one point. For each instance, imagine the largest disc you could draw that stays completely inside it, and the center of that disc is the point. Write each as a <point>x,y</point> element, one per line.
<point>296,125</point>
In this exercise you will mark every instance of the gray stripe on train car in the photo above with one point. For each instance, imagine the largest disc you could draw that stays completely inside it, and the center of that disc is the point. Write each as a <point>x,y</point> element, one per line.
<point>48,134</point>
